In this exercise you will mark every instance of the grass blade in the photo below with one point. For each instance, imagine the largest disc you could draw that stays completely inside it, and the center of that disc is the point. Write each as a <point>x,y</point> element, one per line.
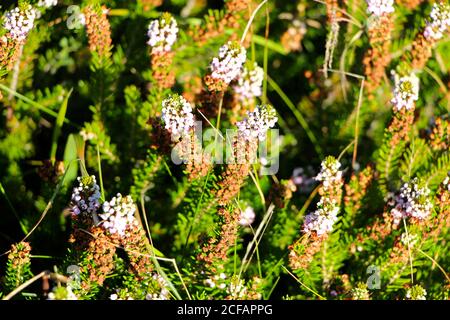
<point>301,120</point>
<point>58,126</point>
<point>38,106</point>
<point>22,226</point>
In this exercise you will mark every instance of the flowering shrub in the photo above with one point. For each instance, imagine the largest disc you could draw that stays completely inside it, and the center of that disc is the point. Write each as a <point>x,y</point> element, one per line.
<point>159,151</point>
<point>162,33</point>
<point>321,221</point>
<point>227,65</point>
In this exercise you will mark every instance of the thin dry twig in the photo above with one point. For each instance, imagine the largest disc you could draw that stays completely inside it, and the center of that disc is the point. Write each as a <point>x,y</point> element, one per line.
<point>51,275</point>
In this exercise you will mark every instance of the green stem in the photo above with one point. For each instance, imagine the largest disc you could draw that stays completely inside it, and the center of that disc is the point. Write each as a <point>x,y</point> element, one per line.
<point>301,120</point>
<point>100,175</point>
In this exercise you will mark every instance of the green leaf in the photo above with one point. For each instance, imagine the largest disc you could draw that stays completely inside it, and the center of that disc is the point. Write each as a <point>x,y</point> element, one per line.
<point>33,103</point>
<point>71,153</point>
<point>272,45</point>
<point>59,123</point>
<point>22,225</point>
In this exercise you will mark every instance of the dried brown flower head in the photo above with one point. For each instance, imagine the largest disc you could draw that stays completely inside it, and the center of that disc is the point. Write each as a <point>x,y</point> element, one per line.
<point>216,248</point>
<point>378,56</point>
<point>98,30</point>
<point>440,136</point>
<point>20,254</point>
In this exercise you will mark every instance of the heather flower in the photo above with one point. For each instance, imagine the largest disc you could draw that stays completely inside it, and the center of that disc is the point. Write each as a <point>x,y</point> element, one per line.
<point>322,220</point>
<point>19,22</point>
<point>360,292</point>
<point>215,25</point>
<point>257,123</point>
<point>302,180</point>
<point>217,247</point>
<point>237,170</point>
<point>247,217</point>
<point>177,115</point>
<point>151,287</point>
<point>249,83</point>
<point>440,135</point>
<point>47,3</point>
<point>380,7</point>
<point>210,283</point>
<point>376,59</point>
<point>446,183</point>
<point>62,293</point>
<point>122,294</point>
<point>281,192</point>
<point>87,135</point>
<point>416,292</point>
<point>9,52</point>
<point>227,66</point>
<point>302,252</point>
<point>20,255</point>
<point>84,205</point>
<point>237,289</point>
<point>118,214</point>
<point>163,291</point>
<point>291,40</point>
<point>149,4</point>
<point>98,30</point>
<point>86,197</point>
<point>235,6</point>
<point>99,262</point>
<point>162,33</point>
<point>217,281</point>
<point>412,201</point>
<point>437,25</point>
<point>408,239</point>
<point>356,189</point>
<point>410,4</point>
<point>406,92</point>
<point>329,172</point>
<point>137,247</point>
<point>162,74</point>
<point>439,21</point>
